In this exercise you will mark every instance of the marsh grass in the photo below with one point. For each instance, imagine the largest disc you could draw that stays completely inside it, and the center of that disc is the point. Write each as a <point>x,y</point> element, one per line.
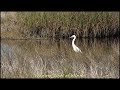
<point>62,24</point>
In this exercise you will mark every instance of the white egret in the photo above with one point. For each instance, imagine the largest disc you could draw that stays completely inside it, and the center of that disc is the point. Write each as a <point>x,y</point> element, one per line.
<point>75,48</point>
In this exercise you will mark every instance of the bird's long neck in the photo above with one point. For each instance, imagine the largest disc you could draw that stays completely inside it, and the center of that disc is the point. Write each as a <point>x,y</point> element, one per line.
<point>73,42</point>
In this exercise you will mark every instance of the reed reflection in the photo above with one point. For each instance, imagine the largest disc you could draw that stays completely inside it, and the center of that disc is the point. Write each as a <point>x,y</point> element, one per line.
<point>55,58</point>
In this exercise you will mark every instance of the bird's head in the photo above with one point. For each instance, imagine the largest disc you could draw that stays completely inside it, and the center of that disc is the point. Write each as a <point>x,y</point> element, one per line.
<point>73,36</point>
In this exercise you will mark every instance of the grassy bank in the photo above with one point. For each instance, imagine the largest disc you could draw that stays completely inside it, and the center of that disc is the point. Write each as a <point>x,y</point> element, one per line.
<point>63,24</point>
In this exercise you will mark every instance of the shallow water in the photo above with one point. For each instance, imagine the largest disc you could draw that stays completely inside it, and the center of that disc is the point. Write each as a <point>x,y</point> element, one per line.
<point>50,58</point>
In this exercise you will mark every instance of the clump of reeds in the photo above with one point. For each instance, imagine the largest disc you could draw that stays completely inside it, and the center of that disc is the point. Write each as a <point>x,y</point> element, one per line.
<point>63,24</point>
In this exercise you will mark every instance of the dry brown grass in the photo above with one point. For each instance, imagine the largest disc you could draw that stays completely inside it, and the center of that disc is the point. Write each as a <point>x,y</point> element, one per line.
<point>63,24</point>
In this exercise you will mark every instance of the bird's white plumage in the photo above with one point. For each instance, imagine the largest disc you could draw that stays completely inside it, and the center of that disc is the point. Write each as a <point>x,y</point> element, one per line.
<point>75,48</point>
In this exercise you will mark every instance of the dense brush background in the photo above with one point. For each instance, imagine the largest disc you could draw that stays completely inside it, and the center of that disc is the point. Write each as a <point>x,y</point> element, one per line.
<point>60,24</point>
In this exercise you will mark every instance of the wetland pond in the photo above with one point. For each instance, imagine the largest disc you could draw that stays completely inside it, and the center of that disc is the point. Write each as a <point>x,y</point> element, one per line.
<point>52,58</point>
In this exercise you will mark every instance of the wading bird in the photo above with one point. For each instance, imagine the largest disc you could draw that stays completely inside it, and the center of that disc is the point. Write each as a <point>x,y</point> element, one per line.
<point>75,48</point>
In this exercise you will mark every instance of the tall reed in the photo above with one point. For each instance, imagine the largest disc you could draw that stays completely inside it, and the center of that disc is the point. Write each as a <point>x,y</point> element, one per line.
<point>63,24</point>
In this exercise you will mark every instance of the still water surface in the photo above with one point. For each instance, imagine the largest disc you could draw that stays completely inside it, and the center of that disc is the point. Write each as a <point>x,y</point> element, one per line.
<point>49,58</point>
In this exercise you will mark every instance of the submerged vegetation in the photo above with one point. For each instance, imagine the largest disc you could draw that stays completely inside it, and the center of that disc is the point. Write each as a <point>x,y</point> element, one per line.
<point>63,24</point>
